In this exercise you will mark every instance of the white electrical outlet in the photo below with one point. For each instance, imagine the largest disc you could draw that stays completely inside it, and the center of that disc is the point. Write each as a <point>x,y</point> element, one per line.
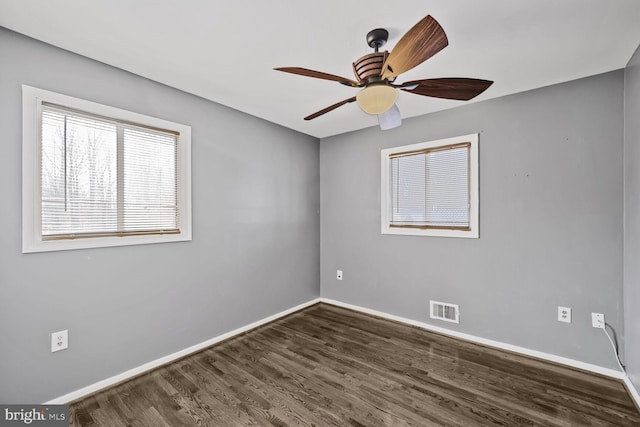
<point>564,314</point>
<point>597,320</point>
<point>59,340</point>
<point>339,274</point>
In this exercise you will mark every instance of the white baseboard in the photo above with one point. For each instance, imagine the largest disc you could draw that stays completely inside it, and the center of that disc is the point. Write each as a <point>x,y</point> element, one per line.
<point>491,343</point>
<point>632,390</point>
<point>635,395</point>
<point>131,373</point>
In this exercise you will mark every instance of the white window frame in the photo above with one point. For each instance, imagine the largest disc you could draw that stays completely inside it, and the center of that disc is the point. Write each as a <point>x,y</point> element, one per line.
<point>473,231</point>
<point>32,99</point>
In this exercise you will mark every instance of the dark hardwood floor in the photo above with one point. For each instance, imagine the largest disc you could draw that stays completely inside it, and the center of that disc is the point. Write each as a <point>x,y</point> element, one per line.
<point>328,366</point>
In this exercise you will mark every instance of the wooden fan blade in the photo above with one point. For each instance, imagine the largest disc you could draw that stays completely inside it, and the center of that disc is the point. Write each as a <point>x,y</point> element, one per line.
<point>420,43</point>
<point>318,75</point>
<point>330,108</point>
<point>448,88</point>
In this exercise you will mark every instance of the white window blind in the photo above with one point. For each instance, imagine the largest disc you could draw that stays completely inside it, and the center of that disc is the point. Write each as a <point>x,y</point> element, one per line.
<point>430,188</point>
<point>104,177</point>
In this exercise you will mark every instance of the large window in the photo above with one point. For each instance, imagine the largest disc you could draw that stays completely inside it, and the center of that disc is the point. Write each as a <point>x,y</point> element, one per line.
<point>100,176</point>
<point>431,188</point>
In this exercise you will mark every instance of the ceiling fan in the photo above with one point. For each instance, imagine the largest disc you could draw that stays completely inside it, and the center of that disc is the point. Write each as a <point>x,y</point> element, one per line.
<point>377,72</point>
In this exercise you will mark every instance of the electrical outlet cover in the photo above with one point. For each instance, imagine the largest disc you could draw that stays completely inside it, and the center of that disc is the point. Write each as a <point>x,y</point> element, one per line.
<point>59,340</point>
<point>339,274</point>
<point>564,314</point>
<point>597,320</point>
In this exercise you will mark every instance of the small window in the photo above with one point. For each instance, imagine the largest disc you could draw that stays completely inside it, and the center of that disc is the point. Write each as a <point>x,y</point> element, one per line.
<point>100,176</point>
<point>431,188</point>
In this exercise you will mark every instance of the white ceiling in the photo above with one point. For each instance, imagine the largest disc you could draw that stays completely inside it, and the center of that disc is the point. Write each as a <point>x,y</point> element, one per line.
<point>226,51</point>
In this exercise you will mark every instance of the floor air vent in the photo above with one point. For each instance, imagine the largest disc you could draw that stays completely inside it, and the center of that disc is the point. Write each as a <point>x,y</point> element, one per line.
<point>445,311</point>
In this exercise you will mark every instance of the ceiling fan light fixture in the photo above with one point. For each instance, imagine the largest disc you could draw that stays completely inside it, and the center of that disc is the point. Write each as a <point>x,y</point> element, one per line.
<point>377,98</point>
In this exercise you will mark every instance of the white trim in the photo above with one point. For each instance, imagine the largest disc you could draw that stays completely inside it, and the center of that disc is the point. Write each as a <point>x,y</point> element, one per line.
<point>32,99</point>
<point>497,344</point>
<point>632,390</point>
<point>131,373</point>
<point>474,189</point>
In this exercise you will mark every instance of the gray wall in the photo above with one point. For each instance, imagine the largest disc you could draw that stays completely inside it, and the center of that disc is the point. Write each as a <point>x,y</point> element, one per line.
<point>551,209</point>
<point>255,241</point>
<point>632,219</point>
<point>551,232</point>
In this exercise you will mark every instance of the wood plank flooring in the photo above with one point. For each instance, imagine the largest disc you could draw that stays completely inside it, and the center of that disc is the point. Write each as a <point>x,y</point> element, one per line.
<point>328,366</point>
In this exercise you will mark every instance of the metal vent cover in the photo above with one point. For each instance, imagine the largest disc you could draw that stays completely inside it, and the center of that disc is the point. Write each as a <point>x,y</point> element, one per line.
<point>444,311</point>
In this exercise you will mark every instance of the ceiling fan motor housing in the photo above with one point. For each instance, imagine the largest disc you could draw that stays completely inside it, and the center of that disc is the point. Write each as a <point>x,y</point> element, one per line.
<point>370,66</point>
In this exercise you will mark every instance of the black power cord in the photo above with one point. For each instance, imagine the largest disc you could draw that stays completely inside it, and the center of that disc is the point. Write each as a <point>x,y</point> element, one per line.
<point>614,344</point>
